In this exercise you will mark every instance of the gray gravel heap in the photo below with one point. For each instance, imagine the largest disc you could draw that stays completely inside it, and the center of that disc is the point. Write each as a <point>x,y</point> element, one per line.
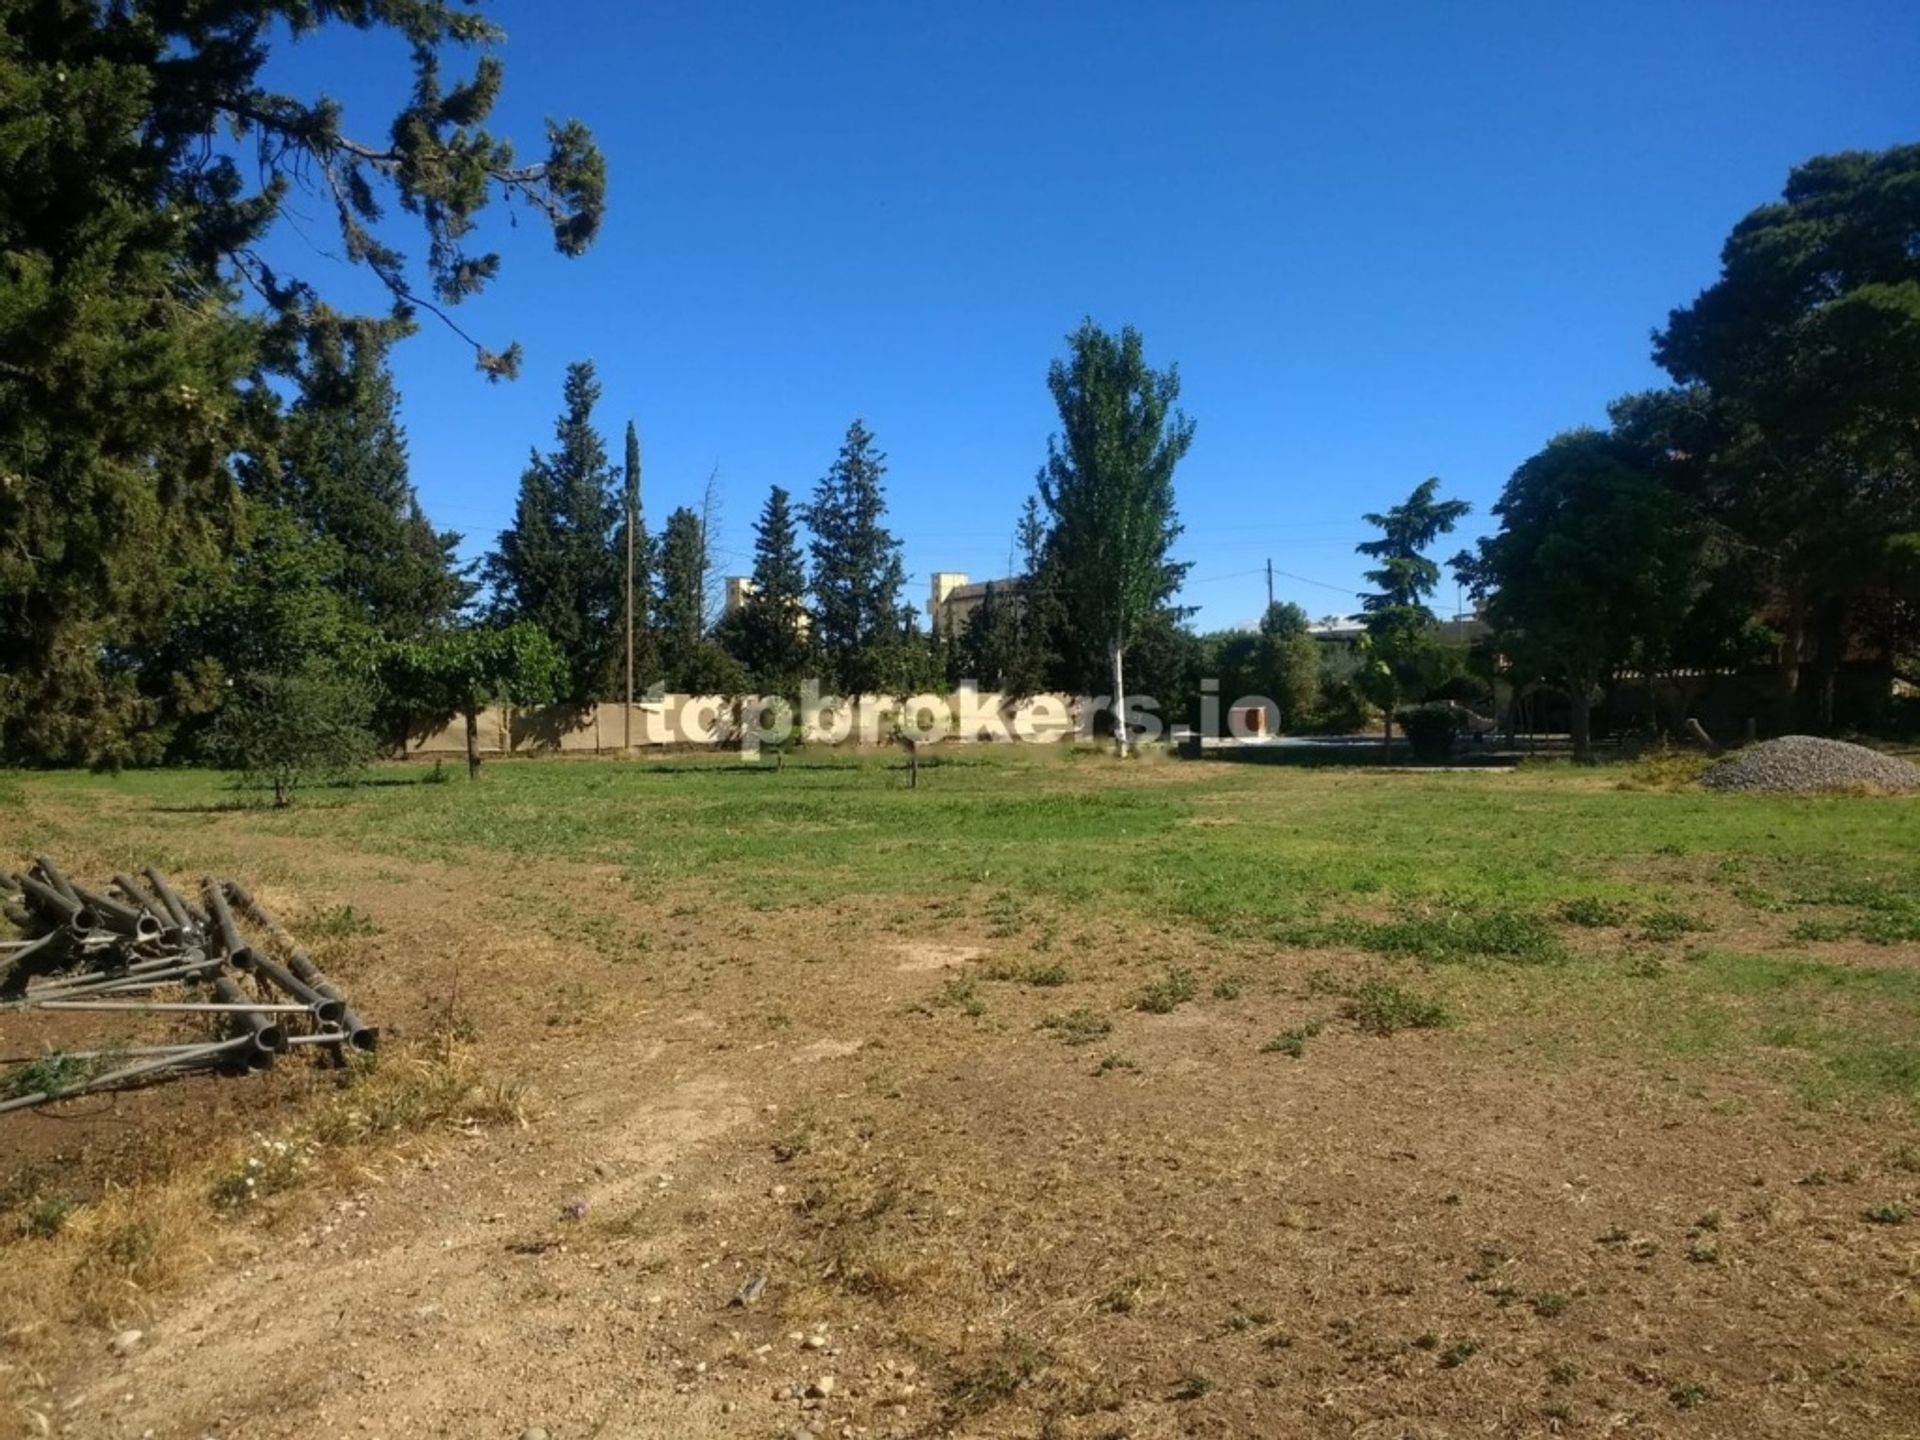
<point>1803,764</point>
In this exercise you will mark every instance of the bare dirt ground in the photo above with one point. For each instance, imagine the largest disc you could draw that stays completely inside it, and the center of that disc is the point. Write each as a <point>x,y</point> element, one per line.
<point>968,1226</point>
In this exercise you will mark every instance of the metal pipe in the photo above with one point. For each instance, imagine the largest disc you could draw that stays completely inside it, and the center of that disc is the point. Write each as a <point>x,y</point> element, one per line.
<point>58,906</point>
<point>48,953</point>
<point>137,925</point>
<point>170,927</point>
<point>139,969</point>
<point>227,934</point>
<point>121,1077</point>
<point>55,877</point>
<point>250,1017</point>
<point>163,1007</point>
<point>361,1036</point>
<point>327,1008</point>
<point>173,904</point>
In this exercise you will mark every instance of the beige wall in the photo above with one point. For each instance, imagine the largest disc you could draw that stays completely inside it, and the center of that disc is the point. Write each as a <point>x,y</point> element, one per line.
<point>715,720</point>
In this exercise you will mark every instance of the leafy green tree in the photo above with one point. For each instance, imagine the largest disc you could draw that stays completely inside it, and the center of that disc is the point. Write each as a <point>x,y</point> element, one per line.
<point>461,671</point>
<point>1289,665</point>
<point>769,633</point>
<point>150,160</point>
<point>1107,488</point>
<point>1593,564</point>
<point>857,570</point>
<point>1401,658</point>
<point>287,728</point>
<point>1807,347</point>
<point>558,567</point>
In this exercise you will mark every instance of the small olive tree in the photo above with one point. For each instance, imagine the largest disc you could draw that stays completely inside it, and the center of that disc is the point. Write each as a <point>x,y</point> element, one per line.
<point>281,731</point>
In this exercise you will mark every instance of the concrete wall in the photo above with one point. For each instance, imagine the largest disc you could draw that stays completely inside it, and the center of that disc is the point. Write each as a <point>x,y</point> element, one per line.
<point>720,720</point>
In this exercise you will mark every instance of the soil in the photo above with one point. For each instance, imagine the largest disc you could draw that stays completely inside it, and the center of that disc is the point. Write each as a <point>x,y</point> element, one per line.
<point>970,1227</point>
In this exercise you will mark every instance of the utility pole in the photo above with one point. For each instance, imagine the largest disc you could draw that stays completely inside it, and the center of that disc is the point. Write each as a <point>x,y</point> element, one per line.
<point>633,523</point>
<point>1269,586</point>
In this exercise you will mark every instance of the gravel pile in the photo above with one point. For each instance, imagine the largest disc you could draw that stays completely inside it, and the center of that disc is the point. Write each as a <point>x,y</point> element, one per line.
<point>1801,764</point>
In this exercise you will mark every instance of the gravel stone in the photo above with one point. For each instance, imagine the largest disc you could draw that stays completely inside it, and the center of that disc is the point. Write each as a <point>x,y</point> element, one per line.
<point>1806,764</point>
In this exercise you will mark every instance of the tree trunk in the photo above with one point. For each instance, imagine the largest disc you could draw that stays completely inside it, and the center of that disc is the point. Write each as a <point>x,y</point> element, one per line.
<point>1114,653</point>
<point>1580,702</point>
<point>1386,730</point>
<point>472,713</point>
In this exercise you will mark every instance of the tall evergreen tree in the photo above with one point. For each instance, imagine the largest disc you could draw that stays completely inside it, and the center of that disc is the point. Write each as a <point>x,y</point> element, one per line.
<point>646,649</point>
<point>1108,490</point>
<point>557,566</point>
<point>681,607</point>
<point>769,633</point>
<point>857,570</point>
<point>343,473</point>
<point>132,375</point>
<point>1401,649</point>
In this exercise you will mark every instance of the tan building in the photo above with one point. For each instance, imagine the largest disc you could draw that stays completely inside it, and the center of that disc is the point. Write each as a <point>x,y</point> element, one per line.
<point>740,589</point>
<point>952,598</point>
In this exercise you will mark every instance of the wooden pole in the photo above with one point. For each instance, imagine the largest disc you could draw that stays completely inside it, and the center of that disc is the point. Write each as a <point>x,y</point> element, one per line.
<point>633,506</point>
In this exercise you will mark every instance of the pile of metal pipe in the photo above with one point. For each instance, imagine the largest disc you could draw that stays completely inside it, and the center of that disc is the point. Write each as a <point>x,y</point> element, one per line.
<point>134,948</point>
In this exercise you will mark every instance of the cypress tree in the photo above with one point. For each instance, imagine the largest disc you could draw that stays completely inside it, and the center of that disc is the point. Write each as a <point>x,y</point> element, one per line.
<point>557,566</point>
<point>857,570</point>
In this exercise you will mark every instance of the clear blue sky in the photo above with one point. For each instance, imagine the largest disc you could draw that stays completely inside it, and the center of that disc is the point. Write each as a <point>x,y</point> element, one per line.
<point>1383,241</point>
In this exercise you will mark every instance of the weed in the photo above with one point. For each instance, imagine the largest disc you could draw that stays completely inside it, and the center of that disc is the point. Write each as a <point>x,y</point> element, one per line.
<point>48,1216</point>
<point>962,995</point>
<point>1426,1341</point>
<point>1078,1027</point>
<point>1169,993</point>
<point>1228,988</point>
<point>1012,1364</point>
<point>793,1145</point>
<point>1124,1297</point>
<point>1549,1303</point>
<point>270,1165</point>
<point>1458,1353</point>
<point>341,922</point>
<point>1702,1251</point>
<point>1046,976</point>
<point>1711,1220</point>
<point>1888,1214</point>
<point>1906,1159</point>
<point>1670,925</point>
<point>1646,967</point>
<point>1592,913</point>
<point>1111,1062</point>
<point>1292,1042</point>
<point>1380,1007</point>
<point>51,1074</point>
<point>1689,1394</point>
<point>1193,1386</point>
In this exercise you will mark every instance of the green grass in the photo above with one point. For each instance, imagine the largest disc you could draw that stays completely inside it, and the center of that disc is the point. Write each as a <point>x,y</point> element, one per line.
<point>1547,911</point>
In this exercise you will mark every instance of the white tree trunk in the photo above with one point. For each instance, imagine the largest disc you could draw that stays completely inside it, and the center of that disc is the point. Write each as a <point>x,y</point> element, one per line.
<point>1119,699</point>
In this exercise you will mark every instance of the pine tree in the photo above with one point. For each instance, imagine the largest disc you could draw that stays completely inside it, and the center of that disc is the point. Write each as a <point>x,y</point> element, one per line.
<point>343,473</point>
<point>857,570</point>
<point>132,376</point>
<point>557,566</point>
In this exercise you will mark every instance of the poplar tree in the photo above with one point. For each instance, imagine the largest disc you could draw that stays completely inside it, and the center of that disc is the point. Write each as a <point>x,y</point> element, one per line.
<point>1107,488</point>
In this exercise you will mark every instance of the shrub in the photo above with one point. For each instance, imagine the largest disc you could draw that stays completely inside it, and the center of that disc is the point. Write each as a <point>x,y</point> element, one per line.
<point>1430,730</point>
<point>279,731</point>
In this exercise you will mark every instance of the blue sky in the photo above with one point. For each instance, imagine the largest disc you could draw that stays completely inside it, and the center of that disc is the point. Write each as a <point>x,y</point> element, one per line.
<point>1383,242</point>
